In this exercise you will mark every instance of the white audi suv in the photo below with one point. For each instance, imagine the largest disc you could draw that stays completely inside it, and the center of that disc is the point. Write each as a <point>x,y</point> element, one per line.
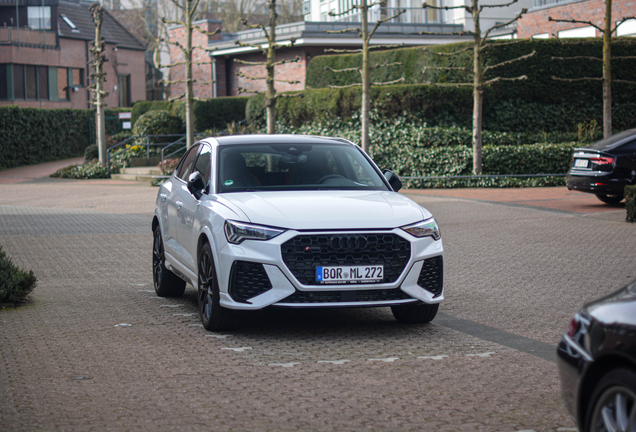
<point>293,221</point>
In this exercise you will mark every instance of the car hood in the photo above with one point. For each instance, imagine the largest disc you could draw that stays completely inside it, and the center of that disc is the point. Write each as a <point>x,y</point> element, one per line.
<point>326,209</point>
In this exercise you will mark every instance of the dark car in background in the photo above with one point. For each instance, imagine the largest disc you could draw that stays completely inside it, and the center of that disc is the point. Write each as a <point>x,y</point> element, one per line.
<point>605,167</point>
<point>597,363</point>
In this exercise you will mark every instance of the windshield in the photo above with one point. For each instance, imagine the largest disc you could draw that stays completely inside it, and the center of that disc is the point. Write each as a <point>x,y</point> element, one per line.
<point>295,167</point>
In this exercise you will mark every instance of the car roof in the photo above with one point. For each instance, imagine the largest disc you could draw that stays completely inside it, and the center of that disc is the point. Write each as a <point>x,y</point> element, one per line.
<point>279,139</point>
<point>614,141</point>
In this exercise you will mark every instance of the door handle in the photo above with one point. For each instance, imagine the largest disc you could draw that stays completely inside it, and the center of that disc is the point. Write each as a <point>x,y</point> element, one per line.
<point>163,197</point>
<point>179,205</point>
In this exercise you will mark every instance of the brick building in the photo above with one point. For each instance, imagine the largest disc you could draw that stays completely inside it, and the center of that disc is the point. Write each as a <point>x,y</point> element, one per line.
<point>44,56</point>
<point>537,25</point>
<point>221,77</point>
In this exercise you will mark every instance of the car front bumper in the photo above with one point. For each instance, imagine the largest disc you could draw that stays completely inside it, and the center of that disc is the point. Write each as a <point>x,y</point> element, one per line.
<point>572,361</point>
<point>287,291</point>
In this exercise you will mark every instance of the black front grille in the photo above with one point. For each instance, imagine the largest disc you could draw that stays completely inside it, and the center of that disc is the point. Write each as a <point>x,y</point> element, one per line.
<point>247,280</point>
<point>432,275</point>
<point>304,253</point>
<point>346,296</point>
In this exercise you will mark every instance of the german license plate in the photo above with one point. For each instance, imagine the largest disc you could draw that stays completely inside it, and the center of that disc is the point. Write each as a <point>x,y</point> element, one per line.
<point>349,274</point>
<point>580,163</point>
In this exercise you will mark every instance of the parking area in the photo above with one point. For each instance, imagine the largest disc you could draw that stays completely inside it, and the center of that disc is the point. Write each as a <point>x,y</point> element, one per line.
<point>97,350</point>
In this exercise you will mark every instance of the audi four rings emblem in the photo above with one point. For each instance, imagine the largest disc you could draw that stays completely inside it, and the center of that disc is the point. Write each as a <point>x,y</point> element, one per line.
<point>351,242</point>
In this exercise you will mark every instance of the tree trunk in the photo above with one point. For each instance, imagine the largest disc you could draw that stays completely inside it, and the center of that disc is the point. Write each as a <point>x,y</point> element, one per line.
<point>100,121</point>
<point>100,124</point>
<point>270,92</point>
<point>478,92</point>
<point>189,96</point>
<point>607,71</point>
<point>366,79</point>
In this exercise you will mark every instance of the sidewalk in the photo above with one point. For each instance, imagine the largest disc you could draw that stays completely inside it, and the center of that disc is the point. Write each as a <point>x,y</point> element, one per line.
<point>32,172</point>
<point>556,198</point>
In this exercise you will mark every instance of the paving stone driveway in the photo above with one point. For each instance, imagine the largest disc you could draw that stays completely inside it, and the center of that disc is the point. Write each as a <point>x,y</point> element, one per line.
<point>97,350</point>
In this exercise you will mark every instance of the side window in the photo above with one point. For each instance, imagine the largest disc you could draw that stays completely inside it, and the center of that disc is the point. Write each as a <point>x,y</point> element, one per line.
<point>202,165</point>
<point>629,147</point>
<point>185,166</point>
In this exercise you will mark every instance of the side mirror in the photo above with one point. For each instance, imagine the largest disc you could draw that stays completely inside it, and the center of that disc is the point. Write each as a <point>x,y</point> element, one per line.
<point>195,184</point>
<point>393,179</point>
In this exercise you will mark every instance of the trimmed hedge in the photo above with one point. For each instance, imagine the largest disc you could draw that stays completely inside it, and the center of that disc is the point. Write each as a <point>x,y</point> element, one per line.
<point>442,106</point>
<point>208,114</point>
<point>630,203</point>
<point>539,87</point>
<point>15,284</point>
<point>34,135</point>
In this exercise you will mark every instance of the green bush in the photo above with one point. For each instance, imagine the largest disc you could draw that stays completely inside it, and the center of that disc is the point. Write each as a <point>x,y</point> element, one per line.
<point>143,107</point>
<point>411,131</point>
<point>417,151</point>
<point>208,114</point>
<point>91,152</point>
<point>539,87</point>
<point>158,123</point>
<point>441,106</point>
<point>89,170</point>
<point>15,284</point>
<point>630,203</point>
<point>33,135</point>
<point>214,113</point>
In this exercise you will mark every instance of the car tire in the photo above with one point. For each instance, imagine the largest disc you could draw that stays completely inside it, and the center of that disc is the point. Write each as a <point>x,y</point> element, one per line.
<point>415,314</point>
<point>610,199</point>
<point>613,402</point>
<point>167,284</point>
<point>214,317</point>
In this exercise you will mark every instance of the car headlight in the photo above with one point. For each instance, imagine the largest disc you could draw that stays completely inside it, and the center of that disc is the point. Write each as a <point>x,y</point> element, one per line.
<point>236,232</point>
<point>427,228</point>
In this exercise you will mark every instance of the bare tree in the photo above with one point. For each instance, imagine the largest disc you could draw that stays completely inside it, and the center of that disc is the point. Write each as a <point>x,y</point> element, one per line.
<point>479,71</point>
<point>364,69</point>
<point>232,12</point>
<point>270,64</point>
<point>188,10</point>
<point>607,31</point>
<point>98,76</point>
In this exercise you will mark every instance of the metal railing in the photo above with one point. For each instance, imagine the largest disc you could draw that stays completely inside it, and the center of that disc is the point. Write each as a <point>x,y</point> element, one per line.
<point>26,36</point>
<point>412,15</point>
<point>148,144</point>
<point>483,176</point>
<point>164,146</point>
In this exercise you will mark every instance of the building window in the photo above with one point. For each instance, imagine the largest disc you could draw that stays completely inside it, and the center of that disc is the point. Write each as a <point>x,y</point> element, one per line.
<point>124,90</point>
<point>31,82</point>
<point>581,32</point>
<point>68,21</point>
<point>39,17</point>
<point>3,82</point>
<point>62,84</point>
<point>43,82</point>
<point>18,82</point>
<point>78,77</point>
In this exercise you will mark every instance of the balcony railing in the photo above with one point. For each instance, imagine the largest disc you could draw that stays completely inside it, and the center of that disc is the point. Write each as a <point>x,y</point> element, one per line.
<point>411,16</point>
<point>25,36</point>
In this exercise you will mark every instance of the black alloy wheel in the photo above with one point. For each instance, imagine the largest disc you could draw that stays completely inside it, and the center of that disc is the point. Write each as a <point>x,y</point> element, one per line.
<point>613,403</point>
<point>214,317</point>
<point>167,284</point>
<point>610,199</point>
<point>415,314</point>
